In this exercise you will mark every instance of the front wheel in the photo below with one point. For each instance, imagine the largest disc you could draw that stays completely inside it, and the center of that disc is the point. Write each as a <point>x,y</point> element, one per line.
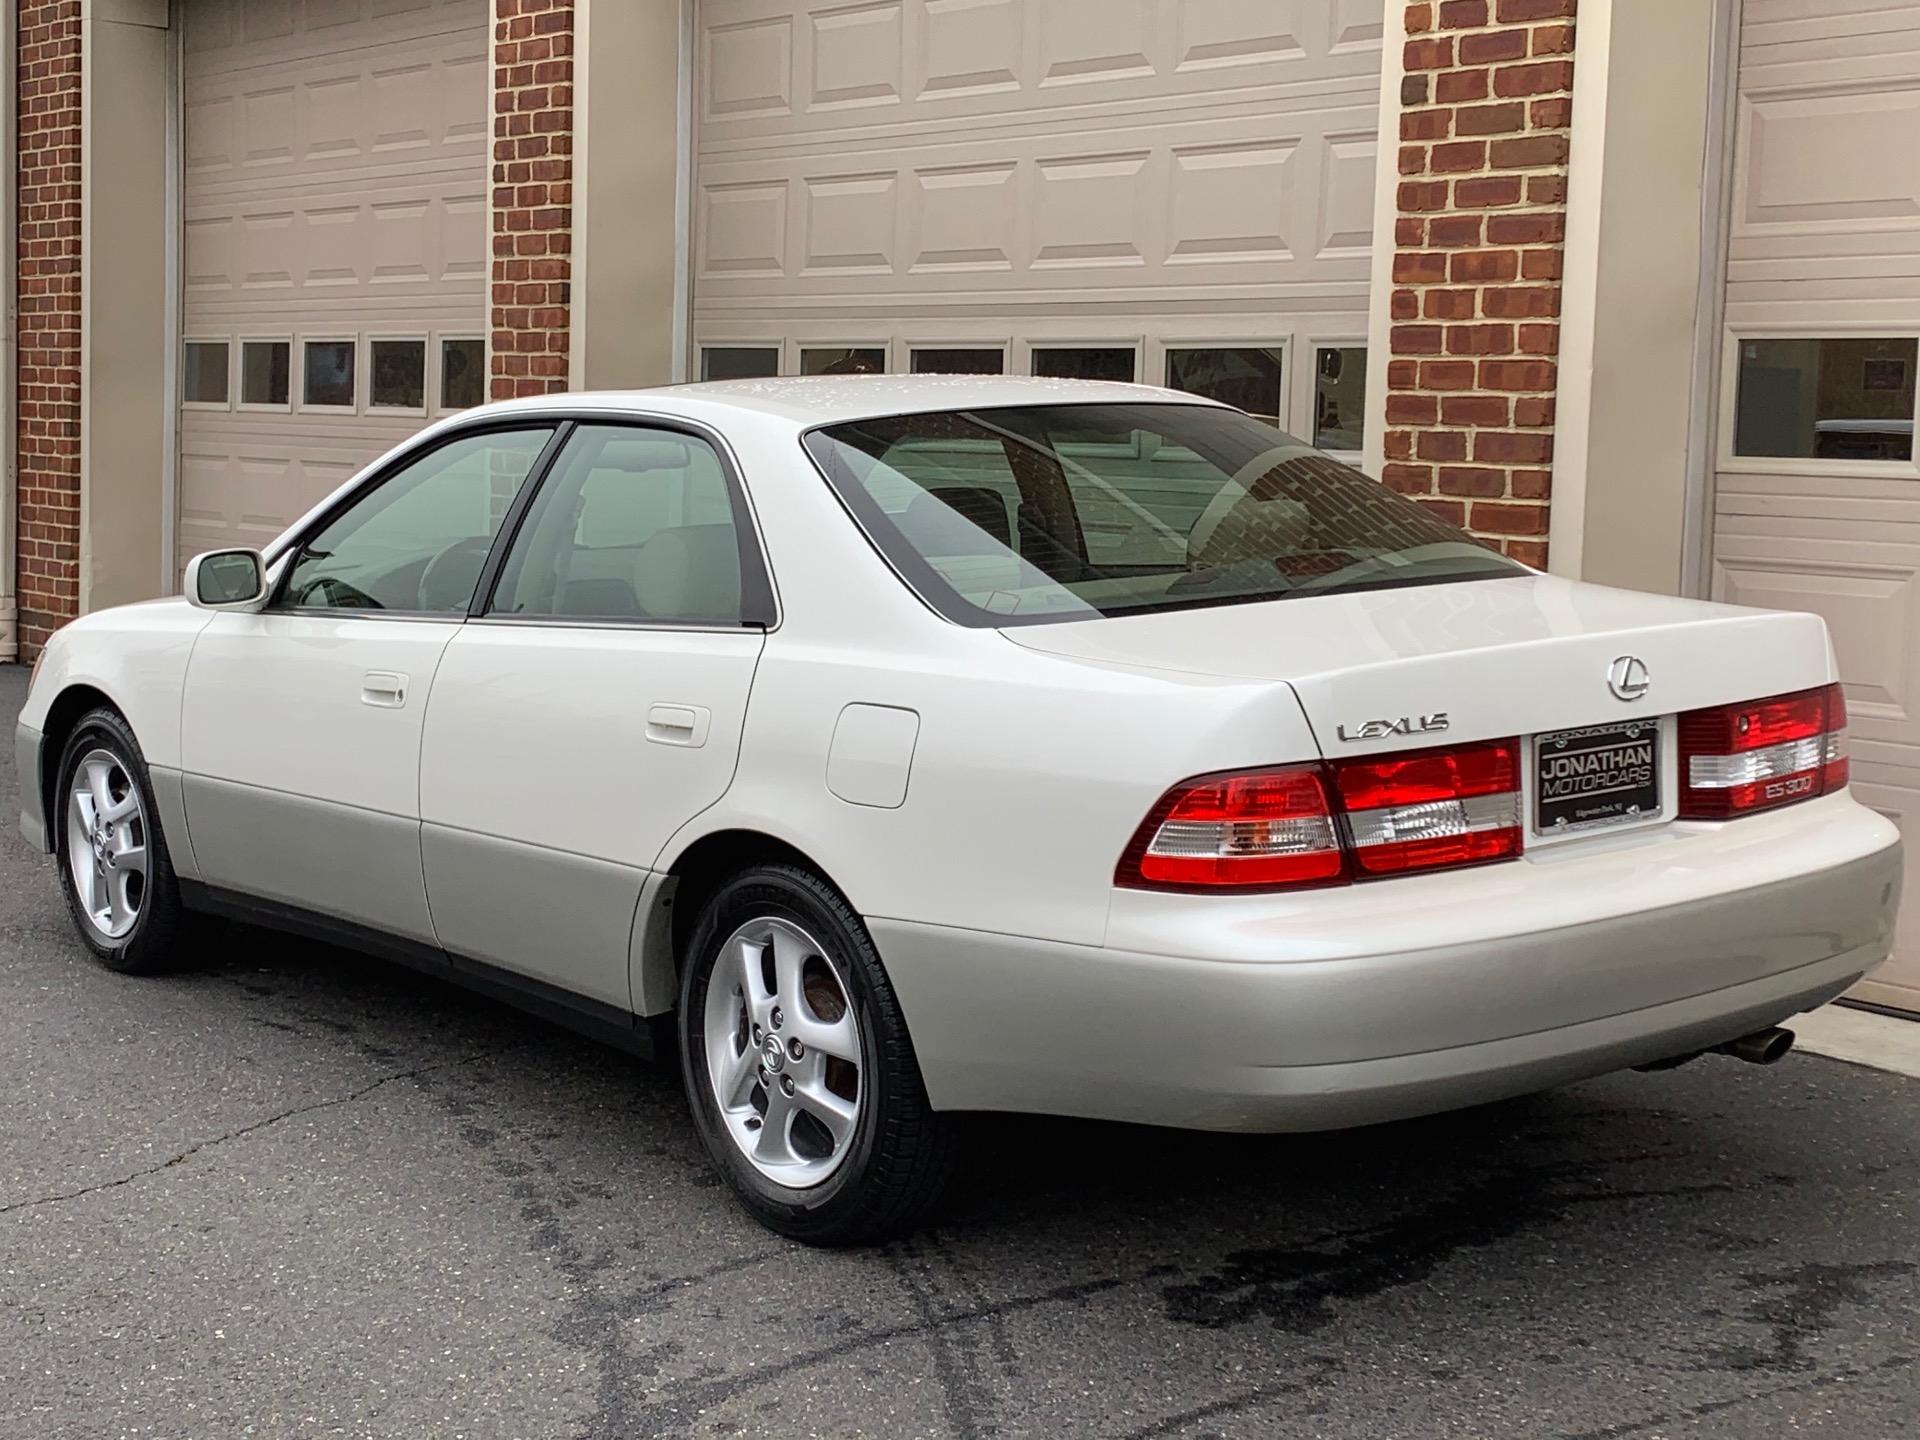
<point>114,865</point>
<point>799,1068</point>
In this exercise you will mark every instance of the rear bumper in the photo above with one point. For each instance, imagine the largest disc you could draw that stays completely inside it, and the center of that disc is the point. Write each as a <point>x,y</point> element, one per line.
<point>1006,1024</point>
<point>26,765</point>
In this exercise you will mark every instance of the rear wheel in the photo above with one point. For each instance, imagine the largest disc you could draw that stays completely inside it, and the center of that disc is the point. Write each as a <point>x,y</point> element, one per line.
<point>114,865</point>
<point>799,1068</point>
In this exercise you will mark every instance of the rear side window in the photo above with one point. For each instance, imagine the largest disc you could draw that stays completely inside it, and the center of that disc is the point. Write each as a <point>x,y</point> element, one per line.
<point>1024,515</point>
<point>632,524</point>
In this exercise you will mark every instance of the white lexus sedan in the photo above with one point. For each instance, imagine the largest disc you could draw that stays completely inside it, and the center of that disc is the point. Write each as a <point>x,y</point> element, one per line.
<point>900,748</point>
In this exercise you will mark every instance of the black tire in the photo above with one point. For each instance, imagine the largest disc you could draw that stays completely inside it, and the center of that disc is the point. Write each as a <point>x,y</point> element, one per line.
<point>901,1154</point>
<point>158,940</point>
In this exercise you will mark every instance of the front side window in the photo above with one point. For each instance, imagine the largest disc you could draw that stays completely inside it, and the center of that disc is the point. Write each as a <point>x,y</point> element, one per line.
<point>1029,514</point>
<point>417,541</point>
<point>632,524</point>
<point>1845,398</point>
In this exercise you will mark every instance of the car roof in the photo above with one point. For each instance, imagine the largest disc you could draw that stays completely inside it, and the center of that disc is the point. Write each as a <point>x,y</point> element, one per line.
<point>828,399</point>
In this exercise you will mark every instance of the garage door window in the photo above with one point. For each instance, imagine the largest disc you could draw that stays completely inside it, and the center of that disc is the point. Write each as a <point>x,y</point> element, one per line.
<point>1246,377</point>
<point>399,375</point>
<point>1085,363</point>
<point>739,362</point>
<point>203,379</point>
<point>969,360</point>
<point>855,360</point>
<point>1339,396</point>
<point>329,374</point>
<point>463,372</point>
<point>1826,399</point>
<point>264,367</point>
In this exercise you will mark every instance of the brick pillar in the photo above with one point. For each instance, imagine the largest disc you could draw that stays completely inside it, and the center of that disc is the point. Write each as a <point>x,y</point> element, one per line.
<point>1485,110</point>
<point>47,294</point>
<point>532,196</point>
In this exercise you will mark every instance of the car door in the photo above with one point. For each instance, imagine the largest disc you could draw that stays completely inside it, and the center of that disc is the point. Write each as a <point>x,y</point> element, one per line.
<point>301,724</point>
<point>592,707</point>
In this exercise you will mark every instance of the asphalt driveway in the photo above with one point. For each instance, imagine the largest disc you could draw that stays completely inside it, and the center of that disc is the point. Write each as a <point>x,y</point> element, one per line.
<point>303,1193</point>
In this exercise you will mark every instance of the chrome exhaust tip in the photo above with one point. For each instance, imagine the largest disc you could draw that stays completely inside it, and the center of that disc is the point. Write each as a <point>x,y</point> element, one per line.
<point>1762,1047</point>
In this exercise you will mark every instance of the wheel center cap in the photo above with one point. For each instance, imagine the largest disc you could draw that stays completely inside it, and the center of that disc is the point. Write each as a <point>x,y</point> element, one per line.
<point>773,1055</point>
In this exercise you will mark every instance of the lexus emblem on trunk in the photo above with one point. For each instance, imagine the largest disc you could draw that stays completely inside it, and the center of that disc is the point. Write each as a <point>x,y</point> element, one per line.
<point>1627,677</point>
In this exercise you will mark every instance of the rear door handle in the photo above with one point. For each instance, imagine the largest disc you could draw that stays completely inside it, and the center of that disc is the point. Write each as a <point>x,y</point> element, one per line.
<point>679,725</point>
<point>384,688</point>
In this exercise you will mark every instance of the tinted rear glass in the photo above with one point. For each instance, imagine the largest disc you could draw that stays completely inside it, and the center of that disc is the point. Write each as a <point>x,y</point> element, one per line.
<point>1030,514</point>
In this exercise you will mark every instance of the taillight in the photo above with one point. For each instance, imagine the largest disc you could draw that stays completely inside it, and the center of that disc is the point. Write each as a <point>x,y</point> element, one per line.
<point>1738,759</point>
<point>1312,825</point>
<point>1430,809</point>
<point>1264,829</point>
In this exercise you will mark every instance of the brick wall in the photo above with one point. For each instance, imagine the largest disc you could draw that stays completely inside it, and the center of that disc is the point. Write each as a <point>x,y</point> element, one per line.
<point>48,298</point>
<point>532,196</point>
<point>1485,111</point>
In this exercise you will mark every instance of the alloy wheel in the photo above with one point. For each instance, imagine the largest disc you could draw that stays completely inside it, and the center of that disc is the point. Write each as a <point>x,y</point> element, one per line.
<point>783,1053</point>
<point>107,854</point>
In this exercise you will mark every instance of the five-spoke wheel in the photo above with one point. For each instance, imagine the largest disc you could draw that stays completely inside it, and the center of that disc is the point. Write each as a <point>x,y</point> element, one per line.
<point>106,843</point>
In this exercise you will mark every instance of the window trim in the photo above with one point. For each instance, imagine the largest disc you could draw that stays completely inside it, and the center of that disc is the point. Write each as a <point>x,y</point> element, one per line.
<point>1726,462</point>
<point>301,405</point>
<point>219,407</point>
<point>290,546</point>
<point>261,407</point>
<point>403,337</point>
<point>759,600</point>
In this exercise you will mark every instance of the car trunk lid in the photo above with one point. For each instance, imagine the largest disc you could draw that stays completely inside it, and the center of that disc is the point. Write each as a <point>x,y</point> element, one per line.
<point>1394,669</point>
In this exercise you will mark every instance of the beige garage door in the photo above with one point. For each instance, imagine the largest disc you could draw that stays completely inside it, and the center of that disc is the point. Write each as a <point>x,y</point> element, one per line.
<point>1818,496</point>
<point>335,245</point>
<point>1130,188</point>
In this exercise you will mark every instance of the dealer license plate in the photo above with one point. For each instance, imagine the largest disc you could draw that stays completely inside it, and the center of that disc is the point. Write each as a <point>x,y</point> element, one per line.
<point>1595,776</point>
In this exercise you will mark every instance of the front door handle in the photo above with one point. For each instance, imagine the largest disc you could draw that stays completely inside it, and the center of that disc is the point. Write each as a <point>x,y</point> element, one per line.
<point>384,688</point>
<point>679,725</point>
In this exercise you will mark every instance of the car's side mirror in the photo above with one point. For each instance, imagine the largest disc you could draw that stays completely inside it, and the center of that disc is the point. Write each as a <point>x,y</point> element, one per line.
<point>227,580</point>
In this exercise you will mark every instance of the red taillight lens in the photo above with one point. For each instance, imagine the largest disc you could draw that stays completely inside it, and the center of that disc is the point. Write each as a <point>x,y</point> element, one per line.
<point>1263,830</point>
<point>1282,829</point>
<point>1433,809</point>
<point>1738,759</point>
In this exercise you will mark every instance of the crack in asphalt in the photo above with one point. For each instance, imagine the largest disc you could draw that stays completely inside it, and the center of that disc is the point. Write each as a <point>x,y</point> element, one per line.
<point>199,1146</point>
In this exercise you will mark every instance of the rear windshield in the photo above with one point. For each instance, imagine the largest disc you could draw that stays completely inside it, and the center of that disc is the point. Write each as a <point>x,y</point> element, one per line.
<point>1063,512</point>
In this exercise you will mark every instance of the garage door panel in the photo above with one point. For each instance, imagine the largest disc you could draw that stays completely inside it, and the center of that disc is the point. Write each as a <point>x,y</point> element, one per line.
<point>1825,241</point>
<point>335,187</point>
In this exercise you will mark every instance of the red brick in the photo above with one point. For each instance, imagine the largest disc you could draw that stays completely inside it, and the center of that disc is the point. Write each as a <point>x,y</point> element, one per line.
<point>1462,14</point>
<point>1507,447</point>
<point>1405,305</point>
<point>1539,340</point>
<point>1446,375</point>
<point>1472,480</point>
<point>1551,40</point>
<point>1409,232</point>
<point>1417,339</point>
<point>1421,195</point>
<point>1543,77</point>
<point>1530,484</point>
<point>1541,264</point>
<point>1412,409</point>
<point>1518,12</point>
<point>1426,124</point>
<point>1480,340</point>
<point>1523,375</point>
<point>1546,189</point>
<point>1408,479</point>
<point>1505,519</point>
<point>1553,113</point>
<point>1402,374</point>
<point>1483,266</point>
<point>1397,445</point>
<point>1413,159</point>
<point>1529,152</point>
<point>1527,552</point>
<point>1451,511</point>
<point>1458,155</point>
<point>1547,227</point>
<point>1419,268</point>
<point>1484,192</point>
<point>1530,410</point>
<point>1434,54</point>
<point>1519,302</point>
<point>1452,304</point>
<point>1453,231</point>
<point>1443,444</point>
<point>1419,19</point>
<point>1452,87</point>
<point>1490,120</point>
<point>1494,46</point>
<point>1474,410</point>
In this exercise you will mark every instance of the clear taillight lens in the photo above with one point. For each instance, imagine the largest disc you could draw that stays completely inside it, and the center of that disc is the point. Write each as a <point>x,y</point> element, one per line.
<point>1739,759</point>
<point>1311,825</point>
<point>1265,829</point>
<point>1433,809</point>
